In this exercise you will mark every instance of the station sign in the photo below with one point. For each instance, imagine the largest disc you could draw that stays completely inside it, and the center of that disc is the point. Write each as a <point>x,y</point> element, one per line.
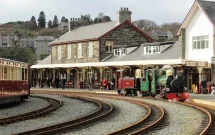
<point>196,63</point>
<point>191,63</point>
<point>202,64</point>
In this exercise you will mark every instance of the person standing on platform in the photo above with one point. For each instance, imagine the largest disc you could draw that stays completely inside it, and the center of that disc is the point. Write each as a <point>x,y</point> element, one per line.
<point>113,83</point>
<point>91,82</point>
<point>105,84</point>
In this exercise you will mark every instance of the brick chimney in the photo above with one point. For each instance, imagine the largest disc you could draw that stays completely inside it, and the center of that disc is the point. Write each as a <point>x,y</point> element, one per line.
<point>75,23</point>
<point>123,14</point>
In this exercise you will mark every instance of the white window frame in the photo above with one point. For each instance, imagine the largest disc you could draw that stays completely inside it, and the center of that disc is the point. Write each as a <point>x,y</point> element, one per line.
<point>90,50</point>
<point>120,52</point>
<point>59,52</point>
<point>80,55</point>
<point>152,49</point>
<point>69,51</point>
<point>200,42</point>
<point>109,44</point>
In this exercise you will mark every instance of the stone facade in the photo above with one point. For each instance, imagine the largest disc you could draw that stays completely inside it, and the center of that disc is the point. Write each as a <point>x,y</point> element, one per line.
<point>74,53</point>
<point>182,40</point>
<point>125,35</point>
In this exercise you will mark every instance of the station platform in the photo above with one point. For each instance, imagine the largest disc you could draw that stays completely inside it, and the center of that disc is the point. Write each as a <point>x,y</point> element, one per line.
<point>75,90</point>
<point>198,98</point>
<point>203,99</point>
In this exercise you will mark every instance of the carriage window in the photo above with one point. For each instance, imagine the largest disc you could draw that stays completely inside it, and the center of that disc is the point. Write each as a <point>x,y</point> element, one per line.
<point>22,74</point>
<point>5,73</point>
<point>13,73</point>
<point>26,74</point>
<point>1,75</point>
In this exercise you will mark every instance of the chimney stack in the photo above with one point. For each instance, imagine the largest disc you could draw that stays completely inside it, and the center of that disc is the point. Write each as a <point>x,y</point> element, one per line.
<point>123,14</point>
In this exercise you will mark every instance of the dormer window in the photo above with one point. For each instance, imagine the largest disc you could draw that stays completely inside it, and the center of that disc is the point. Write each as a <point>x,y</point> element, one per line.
<point>119,52</point>
<point>151,49</point>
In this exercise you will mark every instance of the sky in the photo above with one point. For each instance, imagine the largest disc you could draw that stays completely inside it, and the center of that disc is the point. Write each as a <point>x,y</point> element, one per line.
<point>159,11</point>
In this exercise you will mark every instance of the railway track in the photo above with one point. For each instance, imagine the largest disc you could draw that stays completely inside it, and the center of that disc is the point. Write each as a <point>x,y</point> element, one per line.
<point>53,105</point>
<point>154,116</point>
<point>207,125</point>
<point>103,111</point>
<point>208,128</point>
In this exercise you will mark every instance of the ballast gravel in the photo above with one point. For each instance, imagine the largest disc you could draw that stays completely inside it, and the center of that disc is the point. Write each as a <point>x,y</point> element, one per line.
<point>25,106</point>
<point>182,120</point>
<point>71,109</point>
<point>126,113</point>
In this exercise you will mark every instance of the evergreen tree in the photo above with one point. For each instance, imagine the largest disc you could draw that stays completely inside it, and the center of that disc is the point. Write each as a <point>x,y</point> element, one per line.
<point>55,22</point>
<point>33,20</point>
<point>63,19</point>
<point>50,24</point>
<point>96,20</point>
<point>106,19</point>
<point>42,20</point>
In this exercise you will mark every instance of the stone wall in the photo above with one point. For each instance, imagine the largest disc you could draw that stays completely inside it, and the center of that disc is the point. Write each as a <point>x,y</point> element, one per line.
<point>74,52</point>
<point>125,35</point>
<point>182,39</point>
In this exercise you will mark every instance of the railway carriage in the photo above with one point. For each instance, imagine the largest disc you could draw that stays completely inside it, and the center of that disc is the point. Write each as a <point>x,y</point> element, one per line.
<point>14,84</point>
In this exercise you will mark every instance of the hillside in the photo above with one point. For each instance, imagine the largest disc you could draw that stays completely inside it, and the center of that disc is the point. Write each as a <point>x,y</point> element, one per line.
<point>23,30</point>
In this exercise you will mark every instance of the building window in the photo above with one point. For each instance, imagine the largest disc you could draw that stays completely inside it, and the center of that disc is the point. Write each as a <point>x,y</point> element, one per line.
<point>90,50</point>
<point>200,42</point>
<point>152,49</point>
<point>109,46</point>
<point>69,51</point>
<point>59,52</point>
<point>121,51</point>
<point>79,50</point>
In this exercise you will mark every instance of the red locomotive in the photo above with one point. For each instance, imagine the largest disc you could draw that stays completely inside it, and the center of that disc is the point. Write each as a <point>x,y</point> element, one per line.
<point>14,84</point>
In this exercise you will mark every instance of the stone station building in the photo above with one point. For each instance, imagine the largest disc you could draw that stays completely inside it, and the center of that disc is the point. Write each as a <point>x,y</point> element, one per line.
<point>103,50</point>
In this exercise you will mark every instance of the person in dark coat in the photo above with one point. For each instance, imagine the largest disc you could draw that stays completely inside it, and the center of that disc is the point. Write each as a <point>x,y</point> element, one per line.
<point>113,83</point>
<point>91,82</point>
<point>63,82</point>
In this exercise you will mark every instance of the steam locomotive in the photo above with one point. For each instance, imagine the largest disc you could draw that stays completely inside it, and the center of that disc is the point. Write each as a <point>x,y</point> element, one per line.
<point>158,83</point>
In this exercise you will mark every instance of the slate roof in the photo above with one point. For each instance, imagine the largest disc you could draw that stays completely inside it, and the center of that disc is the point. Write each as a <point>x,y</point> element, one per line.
<point>86,32</point>
<point>172,52</point>
<point>209,9</point>
<point>93,32</point>
<point>45,61</point>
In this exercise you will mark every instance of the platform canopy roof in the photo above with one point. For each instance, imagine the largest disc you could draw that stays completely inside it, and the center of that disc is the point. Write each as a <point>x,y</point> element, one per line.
<point>117,63</point>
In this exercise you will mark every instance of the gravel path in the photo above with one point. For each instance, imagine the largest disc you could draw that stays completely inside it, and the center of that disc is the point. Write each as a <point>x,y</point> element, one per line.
<point>182,120</point>
<point>27,105</point>
<point>126,113</point>
<point>71,109</point>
